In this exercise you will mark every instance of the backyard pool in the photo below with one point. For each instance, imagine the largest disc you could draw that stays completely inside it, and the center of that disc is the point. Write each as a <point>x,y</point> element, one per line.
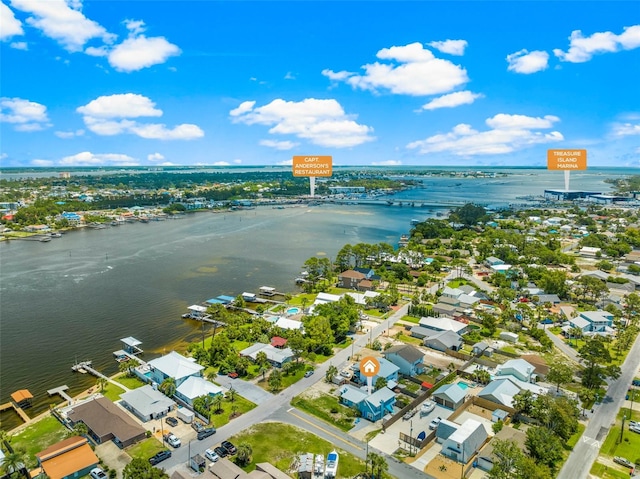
<point>293,310</point>
<point>463,385</point>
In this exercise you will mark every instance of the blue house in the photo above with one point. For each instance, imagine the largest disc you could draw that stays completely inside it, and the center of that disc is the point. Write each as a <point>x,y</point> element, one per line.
<point>407,357</point>
<point>388,370</point>
<point>372,407</point>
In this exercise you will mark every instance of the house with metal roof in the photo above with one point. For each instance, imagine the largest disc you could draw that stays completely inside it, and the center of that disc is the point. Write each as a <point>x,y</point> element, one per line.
<point>70,458</point>
<point>276,356</point>
<point>372,407</point>
<point>408,358</point>
<point>500,391</point>
<point>173,365</point>
<point>387,370</point>
<point>465,441</point>
<point>443,324</point>
<point>194,387</point>
<point>443,340</point>
<point>450,395</point>
<point>519,368</point>
<point>147,403</point>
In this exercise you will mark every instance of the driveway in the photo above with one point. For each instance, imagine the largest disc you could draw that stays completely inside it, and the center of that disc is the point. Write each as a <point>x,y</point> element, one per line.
<point>246,389</point>
<point>113,455</point>
<point>562,346</point>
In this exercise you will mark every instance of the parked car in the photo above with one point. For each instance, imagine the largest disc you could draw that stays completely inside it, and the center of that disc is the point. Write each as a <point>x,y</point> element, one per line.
<point>622,461</point>
<point>308,373</point>
<point>635,429</point>
<point>221,451</point>
<point>171,421</point>
<point>172,440</point>
<point>97,473</point>
<point>211,455</point>
<point>159,457</point>
<point>206,432</point>
<point>229,447</point>
<point>634,424</point>
<point>434,424</point>
<point>197,426</point>
<point>233,375</point>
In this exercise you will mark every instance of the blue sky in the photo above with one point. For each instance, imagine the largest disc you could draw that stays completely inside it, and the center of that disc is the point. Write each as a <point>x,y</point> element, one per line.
<point>123,83</point>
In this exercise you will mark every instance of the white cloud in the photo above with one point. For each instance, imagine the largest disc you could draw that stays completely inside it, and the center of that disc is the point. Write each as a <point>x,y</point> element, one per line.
<point>387,163</point>
<point>111,115</point>
<point>9,25</point>
<point>626,129</point>
<point>288,162</point>
<point>279,145</point>
<point>237,161</point>
<point>289,76</point>
<point>139,52</point>
<point>19,45</point>
<point>412,70</point>
<point>97,51</point>
<point>528,62</point>
<point>221,163</point>
<point>452,100</point>
<point>3,156</point>
<point>136,27</point>
<point>124,105</point>
<point>62,22</point>
<point>38,162</point>
<point>452,47</point>
<point>508,133</point>
<point>155,157</point>
<point>24,114</point>
<point>86,158</point>
<point>582,49</point>
<point>65,135</point>
<point>322,122</point>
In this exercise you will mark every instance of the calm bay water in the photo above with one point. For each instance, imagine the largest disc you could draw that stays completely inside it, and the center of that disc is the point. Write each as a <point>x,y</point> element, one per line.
<point>76,296</point>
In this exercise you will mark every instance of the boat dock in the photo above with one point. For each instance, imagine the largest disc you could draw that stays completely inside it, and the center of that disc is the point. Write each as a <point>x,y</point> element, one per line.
<point>61,391</point>
<point>81,367</point>
<point>16,408</point>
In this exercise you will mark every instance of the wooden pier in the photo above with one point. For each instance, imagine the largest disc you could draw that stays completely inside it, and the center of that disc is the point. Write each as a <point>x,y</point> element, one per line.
<point>61,391</point>
<point>81,367</point>
<point>16,408</point>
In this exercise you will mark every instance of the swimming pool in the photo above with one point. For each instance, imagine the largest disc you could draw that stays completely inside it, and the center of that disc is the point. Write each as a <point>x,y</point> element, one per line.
<point>293,310</point>
<point>463,385</point>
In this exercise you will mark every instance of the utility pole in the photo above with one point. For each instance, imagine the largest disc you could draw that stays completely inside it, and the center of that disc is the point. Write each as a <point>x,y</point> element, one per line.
<point>624,417</point>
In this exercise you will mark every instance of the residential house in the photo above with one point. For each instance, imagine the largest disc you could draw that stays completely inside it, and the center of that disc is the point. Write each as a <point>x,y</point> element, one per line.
<point>590,252</point>
<point>443,324</point>
<point>361,298</point>
<point>449,300</point>
<point>465,441</point>
<point>68,459</point>
<point>276,356</point>
<point>407,357</point>
<point>387,370</point>
<point>350,279</point>
<point>106,422</point>
<point>445,429</point>
<point>173,365</point>
<point>453,293</point>
<point>592,322</point>
<point>509,336</point>
<point>288,324</point>
<point>147,403</point>
<point>467,301</point>
<point>420,332</point>
<point>548,298</point>
<point>443,340</point>
<point>493,261</point>
<point>372,407</point>
<point>194,387</point>
<point>450,396</point>
<point>481,348</point>
<point>446,309</point>
<point>518,368</point>
<point>486,456</point>
<point>500,391</point>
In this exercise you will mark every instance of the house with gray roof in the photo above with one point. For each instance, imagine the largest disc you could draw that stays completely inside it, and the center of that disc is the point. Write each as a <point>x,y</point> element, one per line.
<point>445,429</point>
<point>276,356</point>
<point>147,403</point>
<point>372,407</point>
<point>465,441</point>
<point>407,357</point>
<point>467,301</point>
<point>420,332</point>
<point>444,340</point>
<point>450,396</point>
<point>173,365</point>
<point>486,456</point>
<point>448,292</point>
<point>500,391</point>
<point>195,387</point>
<point>443,308</point>
<point>519,368</point>
<point>388,370</point>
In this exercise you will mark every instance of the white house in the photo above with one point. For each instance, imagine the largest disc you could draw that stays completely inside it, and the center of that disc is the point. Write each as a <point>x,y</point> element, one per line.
<point>465,441</point>
<point>173,365</point>
<point>194,387</point>
<point>276,356</point>
<point>147,403</point>
<point>518,368</point>
<point>443,324</point>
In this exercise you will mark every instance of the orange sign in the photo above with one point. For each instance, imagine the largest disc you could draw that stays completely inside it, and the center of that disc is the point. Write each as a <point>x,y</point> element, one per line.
<point>312,165</point>
<point>567,160</point>
<point>369,366</point>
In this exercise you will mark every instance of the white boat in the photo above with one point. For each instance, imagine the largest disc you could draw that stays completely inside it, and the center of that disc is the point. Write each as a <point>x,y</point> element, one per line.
<point>331,470</point>
<point>318,466</point>
<point>427,407</point>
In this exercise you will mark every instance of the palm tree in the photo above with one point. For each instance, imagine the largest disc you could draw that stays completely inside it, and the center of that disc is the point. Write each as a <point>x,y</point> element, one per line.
<point>332,371</point>
<point>102,383</point>
<point>4,440</point>
<point>79,429</point>
<point>231,394</point>
<point>275,380</point>
<point>217,402</point>
<point>168,387</point>
<point>244,454</point>
<point>263,370</point>
<point>13,464</point>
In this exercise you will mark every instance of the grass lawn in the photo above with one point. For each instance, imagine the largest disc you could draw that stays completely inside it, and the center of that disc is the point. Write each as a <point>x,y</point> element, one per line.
<point>38,436</point>
<point>457,283</point>
<point>240,345</point>
<point>573,440</point>
<point>292,377</point>
<point>409,339</point>
<point>410,319</point>
<point>297,300</point>
<point>291,441</point>
<point>606,472</point>
<point>112,392</point>
<point>130,382</point>
<point>322,407</point>
<point>317,358</point>
<point>629,447</point>
<point>240,404</point>
<point>376,313</point>
<point>145,449</point>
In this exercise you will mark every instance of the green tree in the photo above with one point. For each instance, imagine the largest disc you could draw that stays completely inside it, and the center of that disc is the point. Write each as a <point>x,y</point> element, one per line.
<point>597,357</point>
<point>507,457</point>
<point>544,446</point>
<point>332,371</point>
<point>523,402</point>
<point>168,387</point>
<point>244,454</point>
<point>217,403</point>
<point>275,380</point>
<point>560,373</point>
<point>13,464</point>
<point>380,383</point>
<point>141,469</point>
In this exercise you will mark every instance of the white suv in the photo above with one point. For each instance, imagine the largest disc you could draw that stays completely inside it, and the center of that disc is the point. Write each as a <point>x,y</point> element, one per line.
<point>173,440</point>
<point>97,473</point>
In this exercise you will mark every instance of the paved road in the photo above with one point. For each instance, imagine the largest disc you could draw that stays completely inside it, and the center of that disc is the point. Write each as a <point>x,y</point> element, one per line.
<point>277,407</point>
<point>586,450</point>
<point>562,346</point>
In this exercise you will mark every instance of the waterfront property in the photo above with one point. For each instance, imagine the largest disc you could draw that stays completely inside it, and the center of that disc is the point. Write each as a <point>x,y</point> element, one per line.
<point>194,387</point>
<point>147,403</point>
<point>276,356</point>
<point>172,365</point>
<point>67,459</point>
<point>105,422</point>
